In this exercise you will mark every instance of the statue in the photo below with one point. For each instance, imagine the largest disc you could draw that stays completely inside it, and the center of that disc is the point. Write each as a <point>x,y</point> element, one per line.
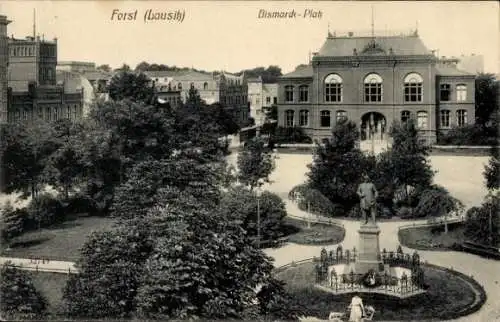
<point>368,195</point>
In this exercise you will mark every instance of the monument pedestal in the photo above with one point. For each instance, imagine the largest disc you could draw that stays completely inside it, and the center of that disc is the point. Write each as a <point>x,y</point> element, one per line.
<point>369,250</point>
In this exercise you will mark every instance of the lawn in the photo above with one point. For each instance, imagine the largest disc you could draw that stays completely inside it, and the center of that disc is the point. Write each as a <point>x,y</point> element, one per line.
<point>299,232</point>
<point>51,285</point>
<point>449,295</point>
<point>60,242</point>
<point>432,238</point>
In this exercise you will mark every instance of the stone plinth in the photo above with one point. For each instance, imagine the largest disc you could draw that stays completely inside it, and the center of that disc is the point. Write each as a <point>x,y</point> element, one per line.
<point>369,250</point>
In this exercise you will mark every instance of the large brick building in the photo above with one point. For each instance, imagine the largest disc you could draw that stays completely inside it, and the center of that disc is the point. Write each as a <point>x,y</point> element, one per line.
<point>32,80</point>
<point>4,62</point>
<point>376,81</point>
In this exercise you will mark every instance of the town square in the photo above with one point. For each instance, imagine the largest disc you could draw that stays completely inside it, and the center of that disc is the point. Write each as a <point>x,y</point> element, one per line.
<point>355,178</point>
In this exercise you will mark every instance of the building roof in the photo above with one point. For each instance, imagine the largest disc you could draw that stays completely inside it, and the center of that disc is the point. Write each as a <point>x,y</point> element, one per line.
<point>300,71</point>
<point>400,45</point>
<point>449,70</point>
<point>186,75</point>
<point>95,75</point>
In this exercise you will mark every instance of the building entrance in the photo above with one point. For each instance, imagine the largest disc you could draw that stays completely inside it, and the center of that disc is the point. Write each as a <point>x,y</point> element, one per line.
<point>373,126</point>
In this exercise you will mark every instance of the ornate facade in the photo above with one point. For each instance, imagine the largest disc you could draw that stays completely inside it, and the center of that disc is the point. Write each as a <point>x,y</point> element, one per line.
<point>375,82</point>
<point>4,62</point>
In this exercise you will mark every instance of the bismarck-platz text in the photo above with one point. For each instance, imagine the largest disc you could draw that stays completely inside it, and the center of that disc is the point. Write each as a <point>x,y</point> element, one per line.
<point>149,15</point>
<point>290,14</point>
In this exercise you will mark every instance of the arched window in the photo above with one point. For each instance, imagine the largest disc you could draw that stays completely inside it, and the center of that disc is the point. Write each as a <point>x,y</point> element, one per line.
<point>289,93</point>
<point>205,86</point>
<point>444,118</point>
<point>422,119</point>
<point>341,116</point>
<point>373,88</point>
<point>48,114</point>
<point>179,86</point>
<point>303,118</point>
<point>461,117</point>
<point>461,93</point>
<point>333,88</point>
<point>405,116</point>
<point>325,119</point>
<point>303,93</point>
<point>75,112</point>
<point>413,87</point>
<point>25,115</point>
<point>289,118</point>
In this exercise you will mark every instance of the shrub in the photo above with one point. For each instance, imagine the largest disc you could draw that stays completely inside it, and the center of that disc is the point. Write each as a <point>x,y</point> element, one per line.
<point>309,199</point>
<point>20,299</point>
<point>467,135</point>
<point>12,222</point>
<point>44,211</point>
<point>435,202</point>
<point>78,204</point>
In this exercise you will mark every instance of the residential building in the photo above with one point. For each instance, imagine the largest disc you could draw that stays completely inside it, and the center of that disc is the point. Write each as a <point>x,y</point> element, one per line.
<point>376,81</point>
<point>75,66</point>
<point>4,62</point>
<point>33,89</point>
<point>218,87</point>
<point>261,97</point>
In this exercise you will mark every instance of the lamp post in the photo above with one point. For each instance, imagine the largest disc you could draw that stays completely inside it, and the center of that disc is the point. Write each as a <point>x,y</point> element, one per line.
<point>258,192</point>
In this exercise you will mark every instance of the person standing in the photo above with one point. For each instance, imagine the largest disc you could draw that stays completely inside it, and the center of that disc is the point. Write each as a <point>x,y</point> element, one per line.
<point>357,309</point>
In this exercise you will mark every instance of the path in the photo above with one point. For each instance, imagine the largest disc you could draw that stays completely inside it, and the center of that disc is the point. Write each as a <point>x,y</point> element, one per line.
<point>40,265</point>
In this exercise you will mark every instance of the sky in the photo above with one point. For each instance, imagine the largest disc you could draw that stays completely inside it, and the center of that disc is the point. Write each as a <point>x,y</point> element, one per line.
<point>229,35</point>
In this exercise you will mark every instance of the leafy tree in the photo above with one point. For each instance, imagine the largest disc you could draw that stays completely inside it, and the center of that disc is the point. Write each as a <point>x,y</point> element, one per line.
<point>130,85</point>
<point>241,204</point>
<point>338,167</point>
<point>225,120</point>
<point>492,170</point>
<point>110,268</point>
<point>409,156</point>
<point>204,267</point>
<point>123,68</point>
<point>142,67</point>
<point>268,75</point>
<point>479,219</point>
<point>255,163</point>
<point>12,222</point>
<point>104,68</point>
<point>486,101</point>
<point>20,299</point>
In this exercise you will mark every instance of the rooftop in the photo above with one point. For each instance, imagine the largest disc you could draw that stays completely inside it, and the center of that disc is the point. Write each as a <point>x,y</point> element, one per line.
<point>367,45</point>
<point>300,71</point>
<point>450,70</point>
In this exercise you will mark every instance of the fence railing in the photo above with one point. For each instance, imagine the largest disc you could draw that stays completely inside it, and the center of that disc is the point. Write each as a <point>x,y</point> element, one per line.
<point>37,268</point>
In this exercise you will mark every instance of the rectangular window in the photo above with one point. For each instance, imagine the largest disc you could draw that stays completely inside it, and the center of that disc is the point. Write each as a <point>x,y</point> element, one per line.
<point>289,118</point>
<point>413,92</point>
<point>445,118</point>
<point>422,120</point>
<point>461,117</point>
<point>325,119</point>
<point>461,93</point>
<point>275,100</point>
<point>445,92</point>
<point>405,116</point>
<point>304,118</point>
<point>288,94</point>
<point>303,93</point>
<point>333,92</point>
<point>268,100</point>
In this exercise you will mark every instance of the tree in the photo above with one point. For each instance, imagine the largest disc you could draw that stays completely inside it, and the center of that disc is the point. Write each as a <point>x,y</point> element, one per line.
<point>486,101</point>
<point>104,68</point>
<point>410,164</point>
<point>240,204</point>
<point>492,170</point>
<point>255,163</point>
<point>338,167</point>
<point>225,120</point>
<point>204,267</point>
<point>110,267</point>
<point>20,299</point>
<point>143,67</point>
<point>12,222</point>
<point>130,85</point>
<point>482,224</point>
<point>123,68</point>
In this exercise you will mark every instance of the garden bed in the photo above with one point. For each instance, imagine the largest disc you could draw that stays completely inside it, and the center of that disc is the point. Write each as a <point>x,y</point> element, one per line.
<point>298,232</point>
<point>449,295</point>
<point>432,237</point>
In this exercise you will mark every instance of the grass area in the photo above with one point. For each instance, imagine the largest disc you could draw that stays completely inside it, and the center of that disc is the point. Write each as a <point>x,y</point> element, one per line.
<point>300,232</point>
<point>447,296</point>
<point>432,238</point>
<point>60,242</point>
<point>51,285</point>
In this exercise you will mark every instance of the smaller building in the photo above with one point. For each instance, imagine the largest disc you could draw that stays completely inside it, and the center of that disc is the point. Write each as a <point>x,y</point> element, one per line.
<point>75,66</point>
<point>261,97</point>
<point>165,94</point>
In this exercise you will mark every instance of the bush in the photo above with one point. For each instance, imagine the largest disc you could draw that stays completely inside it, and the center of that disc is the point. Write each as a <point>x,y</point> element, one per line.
<point>12,222</point>
<point>44,211</point>
<point>468,135</point>
<point>436,201</point>
<point>309,199</point>
<point>284,135</point>
<point>79,204</point>
<point>20,299</point>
